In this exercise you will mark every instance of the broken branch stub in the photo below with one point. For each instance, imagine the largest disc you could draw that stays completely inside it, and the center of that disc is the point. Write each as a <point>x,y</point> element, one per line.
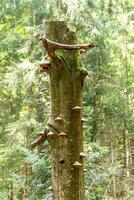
<point>41,137</point>
<point>45,66</point>
<point>59,120</point>
<point>38,141</point>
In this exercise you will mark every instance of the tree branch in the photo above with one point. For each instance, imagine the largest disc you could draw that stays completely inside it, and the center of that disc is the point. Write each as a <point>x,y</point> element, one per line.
<point>43,136</point>
<point>40,139</point>
<point>55,45</point>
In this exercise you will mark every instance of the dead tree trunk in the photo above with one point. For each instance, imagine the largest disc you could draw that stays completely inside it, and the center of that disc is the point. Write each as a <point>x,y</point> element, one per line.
<point>66,79</point>
<point>64,131</point>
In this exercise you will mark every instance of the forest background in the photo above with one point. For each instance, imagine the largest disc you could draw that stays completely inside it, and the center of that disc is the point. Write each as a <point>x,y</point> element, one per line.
<point>107,102</point>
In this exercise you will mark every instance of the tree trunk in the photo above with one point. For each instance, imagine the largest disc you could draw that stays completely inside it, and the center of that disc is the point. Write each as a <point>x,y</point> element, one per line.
<point>66,80</point>
<point>113,180</point>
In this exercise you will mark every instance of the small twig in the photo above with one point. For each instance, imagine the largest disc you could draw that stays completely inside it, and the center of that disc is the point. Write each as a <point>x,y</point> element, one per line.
<point>55,45</point>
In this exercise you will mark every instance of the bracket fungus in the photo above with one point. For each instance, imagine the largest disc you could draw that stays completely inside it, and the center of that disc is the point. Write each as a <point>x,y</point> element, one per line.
<point>82,155</point>
<point>77,164</point>
<point>84,126</point>
<point>50,134</point>
<point>82,51</point>
<point>83,120</point>
<point>50,188</point>
<point>62,135</point>
<point>77,108</point>
<point>59,120</point>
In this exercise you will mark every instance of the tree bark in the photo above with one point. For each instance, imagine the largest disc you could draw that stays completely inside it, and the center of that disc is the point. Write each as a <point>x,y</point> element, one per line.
<point>66,80</point>
<point>113,179</point>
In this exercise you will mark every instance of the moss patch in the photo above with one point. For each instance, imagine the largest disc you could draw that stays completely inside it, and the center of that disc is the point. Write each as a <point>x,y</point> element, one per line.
<point>72,57</point>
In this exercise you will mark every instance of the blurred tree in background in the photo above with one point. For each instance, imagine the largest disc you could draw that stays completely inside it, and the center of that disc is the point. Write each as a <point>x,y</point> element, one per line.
<point>108,96</point>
